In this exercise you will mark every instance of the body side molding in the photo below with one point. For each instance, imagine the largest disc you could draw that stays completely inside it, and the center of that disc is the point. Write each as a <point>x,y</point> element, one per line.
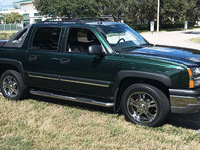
<point>69,79</point>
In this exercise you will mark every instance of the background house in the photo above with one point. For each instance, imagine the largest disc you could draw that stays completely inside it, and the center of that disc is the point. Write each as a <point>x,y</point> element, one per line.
<point>27,9</point>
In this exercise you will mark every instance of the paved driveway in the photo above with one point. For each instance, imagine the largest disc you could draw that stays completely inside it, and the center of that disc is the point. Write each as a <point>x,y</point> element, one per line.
<point>174,38</point>
<point>181,39</point>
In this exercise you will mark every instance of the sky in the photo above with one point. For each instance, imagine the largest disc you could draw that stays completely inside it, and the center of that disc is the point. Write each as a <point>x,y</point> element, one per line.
<point>4,4</point>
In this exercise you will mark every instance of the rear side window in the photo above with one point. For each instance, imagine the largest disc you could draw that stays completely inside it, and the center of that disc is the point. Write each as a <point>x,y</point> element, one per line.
<point>46,38</point>
<point>18,39</point>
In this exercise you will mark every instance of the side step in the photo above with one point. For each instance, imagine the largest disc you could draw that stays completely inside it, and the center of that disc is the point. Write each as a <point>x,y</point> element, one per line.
<point>74,99</point>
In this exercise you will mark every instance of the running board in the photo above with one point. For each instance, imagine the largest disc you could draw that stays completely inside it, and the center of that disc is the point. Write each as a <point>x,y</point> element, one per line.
<point>74,99</point>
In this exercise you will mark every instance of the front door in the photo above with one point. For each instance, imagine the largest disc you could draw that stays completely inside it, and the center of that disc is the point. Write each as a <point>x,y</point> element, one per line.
<point>83,73</point>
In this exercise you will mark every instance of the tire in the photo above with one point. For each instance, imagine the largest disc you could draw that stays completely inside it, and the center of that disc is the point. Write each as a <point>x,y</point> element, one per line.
<point>12,85</point>
<point>145,104</point>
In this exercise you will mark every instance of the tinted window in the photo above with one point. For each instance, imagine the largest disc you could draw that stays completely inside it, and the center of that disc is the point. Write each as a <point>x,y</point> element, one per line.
<point>47,38</point>
<point>79,39</point>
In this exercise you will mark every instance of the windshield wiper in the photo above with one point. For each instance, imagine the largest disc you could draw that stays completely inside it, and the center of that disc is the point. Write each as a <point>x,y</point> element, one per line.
<point>131,47</point>
<point>147,44</point>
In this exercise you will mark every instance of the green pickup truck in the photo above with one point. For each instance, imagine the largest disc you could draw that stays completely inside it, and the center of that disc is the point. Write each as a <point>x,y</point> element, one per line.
<point>102,63</point>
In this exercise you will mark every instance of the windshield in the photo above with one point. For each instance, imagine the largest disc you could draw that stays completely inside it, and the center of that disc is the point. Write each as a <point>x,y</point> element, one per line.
<point>121,37</point>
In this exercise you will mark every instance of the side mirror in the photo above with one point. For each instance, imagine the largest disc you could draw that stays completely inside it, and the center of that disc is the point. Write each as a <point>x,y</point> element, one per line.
<point>95,50</point>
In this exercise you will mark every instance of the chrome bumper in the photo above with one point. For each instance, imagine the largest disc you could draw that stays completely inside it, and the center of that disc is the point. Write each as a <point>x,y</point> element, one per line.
<point>185,101</point>
<point>183,105</point>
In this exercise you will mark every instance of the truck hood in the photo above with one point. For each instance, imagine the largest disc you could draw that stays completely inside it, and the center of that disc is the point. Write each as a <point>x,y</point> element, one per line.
<point>189,57</point>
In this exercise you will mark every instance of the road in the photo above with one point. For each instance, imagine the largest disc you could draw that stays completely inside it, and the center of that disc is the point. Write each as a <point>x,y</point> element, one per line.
<point>174,38</point>
<point>180,39</point>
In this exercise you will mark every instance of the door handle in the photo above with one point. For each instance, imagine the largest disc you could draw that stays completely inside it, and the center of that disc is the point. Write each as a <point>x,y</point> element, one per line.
<point>64,60</point>
<point>32,58</point>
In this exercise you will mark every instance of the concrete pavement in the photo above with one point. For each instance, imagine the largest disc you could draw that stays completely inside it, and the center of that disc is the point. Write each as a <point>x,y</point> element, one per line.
<point>174,38</point>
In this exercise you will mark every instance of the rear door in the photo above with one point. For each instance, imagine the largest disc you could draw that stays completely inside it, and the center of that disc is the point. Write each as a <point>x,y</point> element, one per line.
<point>43,57</point>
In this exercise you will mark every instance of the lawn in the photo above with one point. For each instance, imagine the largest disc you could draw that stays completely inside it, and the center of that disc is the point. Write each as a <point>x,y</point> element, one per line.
<point>195,40</point>
<point>33,124</point>
<point>7,34</point>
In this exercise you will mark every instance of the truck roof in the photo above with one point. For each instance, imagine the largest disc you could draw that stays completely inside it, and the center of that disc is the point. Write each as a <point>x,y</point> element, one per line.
<point>86,21</point>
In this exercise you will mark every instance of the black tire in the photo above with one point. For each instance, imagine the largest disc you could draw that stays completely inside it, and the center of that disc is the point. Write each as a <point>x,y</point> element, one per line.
<point>12,85</point>
<point>145,104</point>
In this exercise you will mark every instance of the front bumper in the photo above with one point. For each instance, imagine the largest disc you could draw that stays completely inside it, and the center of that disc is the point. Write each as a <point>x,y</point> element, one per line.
<point>185,101</point>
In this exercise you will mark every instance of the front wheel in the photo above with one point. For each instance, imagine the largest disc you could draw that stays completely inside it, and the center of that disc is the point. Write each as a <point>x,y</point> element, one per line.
<point>145,104</point>
<point>12,85</point>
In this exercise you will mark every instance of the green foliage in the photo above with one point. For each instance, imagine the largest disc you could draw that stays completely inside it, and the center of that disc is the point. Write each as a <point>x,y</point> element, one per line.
<point>179,10</point>
<point>140,26</point>
<point>13,17</point>
<point>115,8</point>
<point>68,8</point>
<point>133,11</point>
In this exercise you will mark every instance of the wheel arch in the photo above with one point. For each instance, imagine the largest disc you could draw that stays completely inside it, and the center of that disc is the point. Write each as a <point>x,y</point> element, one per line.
<point>124,79</point>
<point>10,64</point>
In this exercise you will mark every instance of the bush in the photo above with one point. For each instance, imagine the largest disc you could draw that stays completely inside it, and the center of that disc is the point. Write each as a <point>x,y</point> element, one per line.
<point>178,24</point>
<point>140,26</point>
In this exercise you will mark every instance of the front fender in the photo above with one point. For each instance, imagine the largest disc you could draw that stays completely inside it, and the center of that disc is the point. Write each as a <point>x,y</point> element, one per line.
<point>139,74</point>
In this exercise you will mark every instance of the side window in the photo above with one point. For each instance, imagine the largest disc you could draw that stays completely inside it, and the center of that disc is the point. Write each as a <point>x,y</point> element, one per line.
<point>46,39</point>
<point>79,39</point>
<point>18,39</point>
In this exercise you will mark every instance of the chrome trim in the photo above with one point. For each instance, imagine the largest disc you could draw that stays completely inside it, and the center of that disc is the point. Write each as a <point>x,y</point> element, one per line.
<point>183,101</point>
<point>68,80</point>
<point>74,99</point>
<point>190,108</point>
<point>42,77</point>
<point>142,107</point>
<point>196,78</point>
<point>87,83</point>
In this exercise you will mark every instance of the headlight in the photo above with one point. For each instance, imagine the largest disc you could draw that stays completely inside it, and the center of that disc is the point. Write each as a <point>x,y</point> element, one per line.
<point>194,74</point>
<point>195,71</point>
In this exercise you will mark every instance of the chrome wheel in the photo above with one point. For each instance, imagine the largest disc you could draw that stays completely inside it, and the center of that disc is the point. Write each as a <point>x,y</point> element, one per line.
<point>10,86</point>
<point>142,107</point>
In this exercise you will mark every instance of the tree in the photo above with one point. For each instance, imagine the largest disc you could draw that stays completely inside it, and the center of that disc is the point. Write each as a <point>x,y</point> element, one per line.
<point>173,10</point>
<point>115,8</point>
<point>132,11</point>
<point>178,10</point>
<point>136,11</point>
<point>68,8</point>
<point>15,6</point>
<point>148,10</point>
<point>141,11</point>
<point>13,17</point>
<point>192,10</point>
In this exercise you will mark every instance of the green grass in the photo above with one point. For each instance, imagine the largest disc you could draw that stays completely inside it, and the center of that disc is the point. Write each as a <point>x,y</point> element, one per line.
<point>31,124</point>
<point>7,34</point>
<point>195,40</point>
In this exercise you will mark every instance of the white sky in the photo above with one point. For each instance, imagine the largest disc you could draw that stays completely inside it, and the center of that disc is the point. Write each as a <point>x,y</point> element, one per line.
<point>7,3</point>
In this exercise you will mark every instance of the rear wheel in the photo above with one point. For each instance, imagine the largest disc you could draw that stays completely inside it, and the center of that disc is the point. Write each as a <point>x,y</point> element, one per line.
<point>12,85</point>
<point>145,104</point>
